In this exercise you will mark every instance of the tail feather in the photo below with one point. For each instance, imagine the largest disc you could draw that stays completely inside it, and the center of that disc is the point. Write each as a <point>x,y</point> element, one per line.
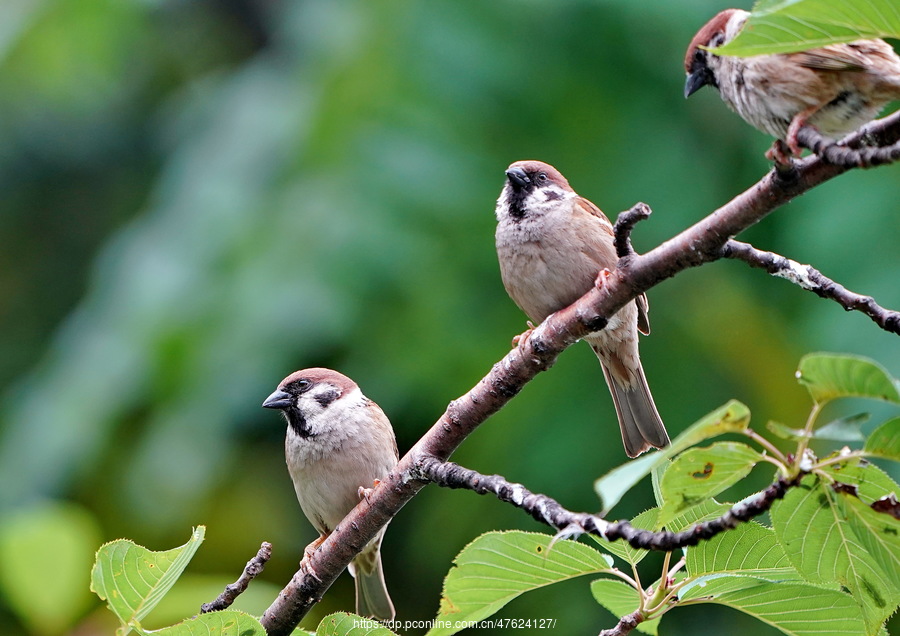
<point>372,598</point>
<point>639,421</point>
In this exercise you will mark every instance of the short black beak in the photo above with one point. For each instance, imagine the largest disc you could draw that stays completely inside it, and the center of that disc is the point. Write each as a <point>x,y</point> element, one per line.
<point>697,79</point>
<point>517,178</point>
<point>278,400</point>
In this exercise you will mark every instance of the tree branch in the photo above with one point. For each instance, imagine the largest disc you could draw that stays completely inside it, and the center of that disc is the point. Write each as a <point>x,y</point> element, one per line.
<point>813,280</point>
<point>232,591</point>
<point>701,243</point>
<point>549,511</point>
<point>847,155</point>
<point>625,626</point>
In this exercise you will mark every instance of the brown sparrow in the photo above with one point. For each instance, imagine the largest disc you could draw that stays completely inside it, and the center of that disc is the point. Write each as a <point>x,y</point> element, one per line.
<point>552,245</point>
<point>339,442</point>
<point>836,88</point>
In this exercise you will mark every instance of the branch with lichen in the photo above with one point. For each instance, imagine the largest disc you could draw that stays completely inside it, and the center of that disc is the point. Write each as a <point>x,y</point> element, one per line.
<point>813,280</point>
<point>701,243</point>
<point>570,524</point>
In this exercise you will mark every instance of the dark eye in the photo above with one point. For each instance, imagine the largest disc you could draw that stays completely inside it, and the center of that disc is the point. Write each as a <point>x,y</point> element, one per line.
<point>303,385</point>
<point>718,40</point>
<point>542,177</point>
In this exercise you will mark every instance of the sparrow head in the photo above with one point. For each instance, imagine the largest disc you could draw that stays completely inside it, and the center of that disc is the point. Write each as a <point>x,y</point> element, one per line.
<point>532,186</point>
<point>701,65</point>
<point>307,398</point>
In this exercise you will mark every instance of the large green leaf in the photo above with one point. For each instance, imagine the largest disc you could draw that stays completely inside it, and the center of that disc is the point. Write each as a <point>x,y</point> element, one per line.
<point>829,376</point>
<point>224,623</point>
<point>885,440</point>
<point>748,550</point>
<point>823,546</point>
<point>499,566</point>
<point>780,26</point>
<point>796,609</point>
<point>344,624</point>
<point>621,599</point>
<point>879,533</point>
<point>700,473</point>
<point>730,418</point>
<point>133,579</point>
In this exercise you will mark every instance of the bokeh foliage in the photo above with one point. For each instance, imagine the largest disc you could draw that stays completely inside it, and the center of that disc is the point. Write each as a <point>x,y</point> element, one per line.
<point>200,197</point>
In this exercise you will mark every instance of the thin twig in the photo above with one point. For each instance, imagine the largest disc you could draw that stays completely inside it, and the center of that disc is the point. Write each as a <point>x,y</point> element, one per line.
<point>813,280</point>
<point>232,591</point>
<point>550,512</point>
<point>625,222</point>
<point>843,155</point>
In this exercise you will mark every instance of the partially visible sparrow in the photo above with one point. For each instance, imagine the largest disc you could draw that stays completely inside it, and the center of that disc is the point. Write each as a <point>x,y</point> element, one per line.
<point>339,442</point>
<point>836,88</point>
<point>552,245</point>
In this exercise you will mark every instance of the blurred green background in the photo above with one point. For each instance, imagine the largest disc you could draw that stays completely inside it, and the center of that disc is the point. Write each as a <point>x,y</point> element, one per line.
<point>201,196</point>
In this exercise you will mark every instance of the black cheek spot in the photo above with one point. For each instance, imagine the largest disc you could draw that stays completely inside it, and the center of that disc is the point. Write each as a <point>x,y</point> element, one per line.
<point>553,195</point>
<point>327,397</point>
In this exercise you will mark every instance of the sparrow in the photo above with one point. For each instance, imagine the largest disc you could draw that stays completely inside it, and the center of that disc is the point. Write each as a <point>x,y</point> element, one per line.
<point>552,244</point>
<point>338,444</point>
<point>835,89</point>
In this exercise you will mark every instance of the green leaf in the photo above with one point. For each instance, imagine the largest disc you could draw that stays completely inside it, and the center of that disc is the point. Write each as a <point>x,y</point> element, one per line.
<point>499,566</point>
<point>885,440</point>
<point>797,25</point>
<point>45,556</point>
<point>345,624</point>
<point>730,418</point>
<point>829,376</point>
<point>872,482</point>
<point>825,549</point>
<point>796,609</point>
<point>621,599</point>
<point>224,623</point>
<point>750,549</point>
<point>622,549</point>
<point>844,429</point>
<point>700,473</point>
<point>133,579</point>
<point>879,533</point>
<point>704,511</point>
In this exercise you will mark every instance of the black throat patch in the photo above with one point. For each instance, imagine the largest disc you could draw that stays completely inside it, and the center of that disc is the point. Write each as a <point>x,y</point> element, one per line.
<point>516,202</point>
<point>297,422</point>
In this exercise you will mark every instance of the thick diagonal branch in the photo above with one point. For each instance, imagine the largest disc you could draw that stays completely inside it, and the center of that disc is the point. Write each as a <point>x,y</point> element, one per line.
<point>549,511</point>
<point>696,245</point>
<point>813,280</point>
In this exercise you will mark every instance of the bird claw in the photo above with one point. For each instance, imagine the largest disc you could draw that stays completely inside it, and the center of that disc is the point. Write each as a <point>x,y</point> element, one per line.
<point>600,281</point>
<point>520,340</point>
<point>364,493</point>
<point>307,568</point>
<point>798,122</point>
<point>781,153</point>
<point>308,551</point>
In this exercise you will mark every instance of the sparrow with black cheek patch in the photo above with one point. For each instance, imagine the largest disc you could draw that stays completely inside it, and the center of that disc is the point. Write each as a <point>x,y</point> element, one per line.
<point>552,244</point>
<point>338,442</point>
<point>836,88</point>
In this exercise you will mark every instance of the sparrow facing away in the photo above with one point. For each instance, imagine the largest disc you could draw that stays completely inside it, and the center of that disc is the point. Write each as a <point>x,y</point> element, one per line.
<point>552,244</point>
<point>836,88</point>
<point>338,443</point>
